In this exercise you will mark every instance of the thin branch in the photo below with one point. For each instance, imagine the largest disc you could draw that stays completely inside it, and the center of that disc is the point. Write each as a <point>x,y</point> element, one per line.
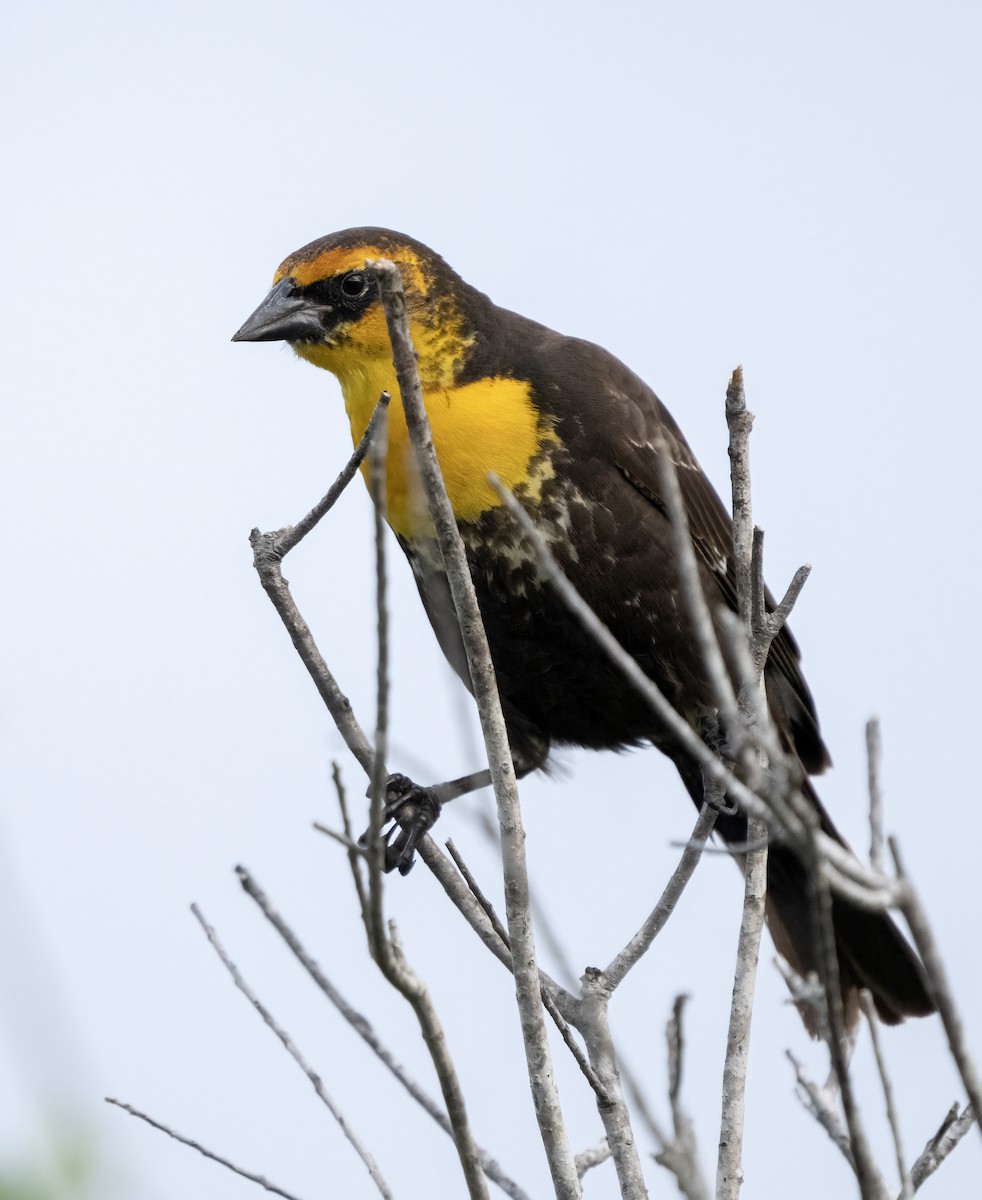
<point>937,979</point>
<point>586,1160</point>
<point>373,914</point>
<point>266,559</point>
<point>545,1095</point>
<point>186,1141</point>
<point>362,1152</point>
<point>871,1183</point>
<point>354,848</point>
<point>953,1129</point>
<point>874,761</point>
<point>690,583</point>
<point>729,1166</point>
<point>594,1023</point>
<point>268,550</point>
<point>363,1027</point>
<point>680,1156</point>
<point>356,852</point>
<point>807,995</point>
<point>388,954</point>
<point>288,538</point>
<point>893,1117</point>
<point>478,893</point>
<point>818,1101</point>
<point>619,966</point>
<point>551,1005</point>
<point>739,421</point>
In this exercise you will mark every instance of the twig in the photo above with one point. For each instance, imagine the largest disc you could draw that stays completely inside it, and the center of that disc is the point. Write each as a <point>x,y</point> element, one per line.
<point>807,995</point>
<point>268,550</point>
<point>363,1027</point>
<point>739,421</point>
<point>357,853</point>
<point>874,759</point>
<point>953,1129</point>
<point>478,893</point>
<point>819,1104</point>
<point>586,1160</point>
<point>729,1168</point>
<point>594,1023</point>
<point>680,1156</point>
<point>186,1141</point>
<point>545,1096</point>
<point>388,954</point>
<point>893,1117</point>
<point>353,847</point>
<point>690,583</point>
<point>937,979</point>
<point>266,559</point>
<point>374,919</point>
<point>619,966</point>
<point>287,538</point>
<point>871,1183</point>
<point>548,999</point>
<point>362,1152</point>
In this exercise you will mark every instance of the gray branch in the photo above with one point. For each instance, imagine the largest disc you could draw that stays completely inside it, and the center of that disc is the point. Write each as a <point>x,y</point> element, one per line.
<point>545,1095</point>
<point>288,1044</point>
<point>186,1141</point>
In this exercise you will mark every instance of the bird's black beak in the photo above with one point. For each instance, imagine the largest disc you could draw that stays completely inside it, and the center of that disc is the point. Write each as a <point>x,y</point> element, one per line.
<point>284,316</point>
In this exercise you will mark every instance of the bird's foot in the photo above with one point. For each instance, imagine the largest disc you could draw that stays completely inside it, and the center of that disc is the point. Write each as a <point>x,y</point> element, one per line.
<point>413,811</point>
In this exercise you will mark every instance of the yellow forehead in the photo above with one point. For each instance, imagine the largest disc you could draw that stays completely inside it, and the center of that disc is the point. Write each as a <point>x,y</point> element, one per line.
<point>305,269</point>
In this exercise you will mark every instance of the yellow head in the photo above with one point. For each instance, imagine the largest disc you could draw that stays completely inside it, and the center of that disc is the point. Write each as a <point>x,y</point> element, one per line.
<point>325,303</point>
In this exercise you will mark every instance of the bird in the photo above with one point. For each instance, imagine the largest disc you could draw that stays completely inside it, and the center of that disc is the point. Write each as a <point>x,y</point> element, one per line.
<point>574,435</point>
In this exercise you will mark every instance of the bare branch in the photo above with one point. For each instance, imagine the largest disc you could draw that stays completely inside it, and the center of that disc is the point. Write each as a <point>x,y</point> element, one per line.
<point>680,1156</point>
<point>619,966</point>
<point>362,1152</point>
<point>266,559</point>
<point>594,1024</point>
<point>543,1087</point>
<point>871,1183</point>
<point>874,761</point>
<point>729,1168</point>
<point>363,1027</point>
<point>779,617</point>
<point>356,852</point>
<point>588,1159</point>
<point>186,1141</point>
<point>953,1129</point>
<point>287,538</point>
<point>866,1003</point>
<point>690,584</point>
<point>739,421</point>
<point>937,979</point>
<point>819,1103</point>
<point>551,1005</point>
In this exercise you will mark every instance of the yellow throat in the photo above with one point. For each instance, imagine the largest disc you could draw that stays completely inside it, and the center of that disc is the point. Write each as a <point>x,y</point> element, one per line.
<point>489,425</point>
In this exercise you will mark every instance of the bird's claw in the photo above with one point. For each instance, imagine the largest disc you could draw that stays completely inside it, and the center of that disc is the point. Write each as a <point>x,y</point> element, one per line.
<point>413,811</point>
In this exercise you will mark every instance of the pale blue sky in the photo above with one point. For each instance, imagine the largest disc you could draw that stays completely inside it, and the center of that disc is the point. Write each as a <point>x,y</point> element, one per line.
<point>793,187</point>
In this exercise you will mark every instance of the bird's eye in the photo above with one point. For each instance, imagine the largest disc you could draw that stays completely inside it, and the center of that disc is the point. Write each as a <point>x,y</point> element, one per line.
<point>354,285</point>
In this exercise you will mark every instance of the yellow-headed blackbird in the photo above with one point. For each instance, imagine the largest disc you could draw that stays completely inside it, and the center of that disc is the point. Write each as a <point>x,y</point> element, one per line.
<point>572,432</point>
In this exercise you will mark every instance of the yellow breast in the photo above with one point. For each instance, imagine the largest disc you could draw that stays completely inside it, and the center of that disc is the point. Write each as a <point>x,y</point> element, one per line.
<point>490,425</point>
<point>486,426</point>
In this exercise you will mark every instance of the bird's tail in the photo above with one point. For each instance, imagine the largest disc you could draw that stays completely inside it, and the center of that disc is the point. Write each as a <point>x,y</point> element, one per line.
<point>872,952</point>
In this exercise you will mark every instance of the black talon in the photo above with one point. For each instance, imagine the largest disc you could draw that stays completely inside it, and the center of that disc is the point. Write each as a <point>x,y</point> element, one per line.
<point>413,809</point>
